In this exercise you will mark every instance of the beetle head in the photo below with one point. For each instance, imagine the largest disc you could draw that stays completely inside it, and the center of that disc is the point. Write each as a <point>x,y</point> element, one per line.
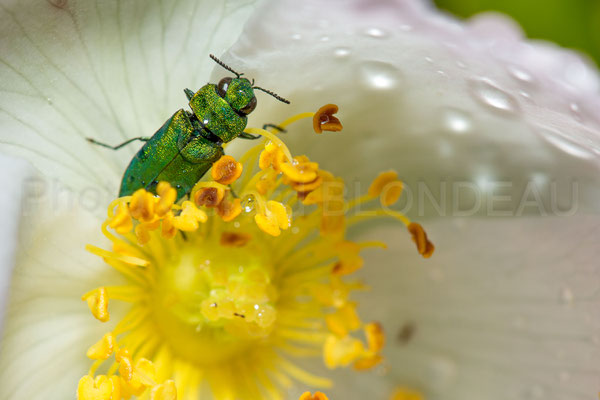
<point>238,93</point>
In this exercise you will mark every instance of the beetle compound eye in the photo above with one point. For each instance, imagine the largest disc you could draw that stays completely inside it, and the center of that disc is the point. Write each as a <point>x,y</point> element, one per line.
<point>223,85</point>
<point>249,107</point>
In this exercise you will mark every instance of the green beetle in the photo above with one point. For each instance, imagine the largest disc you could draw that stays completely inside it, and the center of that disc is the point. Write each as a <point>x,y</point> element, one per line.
<point>188,143</point>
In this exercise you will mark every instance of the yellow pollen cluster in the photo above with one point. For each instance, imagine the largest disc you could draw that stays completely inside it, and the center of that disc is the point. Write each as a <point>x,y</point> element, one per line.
<point>224,285</point>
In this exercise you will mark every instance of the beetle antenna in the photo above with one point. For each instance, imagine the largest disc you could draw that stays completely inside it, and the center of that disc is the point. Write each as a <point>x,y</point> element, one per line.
<point>278,97</point>
<point>227,67</point>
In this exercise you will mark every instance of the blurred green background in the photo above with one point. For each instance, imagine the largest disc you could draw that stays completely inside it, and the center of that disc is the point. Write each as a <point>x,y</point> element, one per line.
<point>570,23</point>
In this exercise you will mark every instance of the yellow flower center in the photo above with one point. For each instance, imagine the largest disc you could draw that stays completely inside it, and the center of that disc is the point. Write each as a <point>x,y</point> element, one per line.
<point>212,302</point>
<point>229,286</point>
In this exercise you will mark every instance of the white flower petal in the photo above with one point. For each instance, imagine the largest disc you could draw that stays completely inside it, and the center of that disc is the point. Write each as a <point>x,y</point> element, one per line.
<point>48,327</point>
<point>15,172</point>
<point>432,98</point>
<point>505,308</point>
<point>105,70</point>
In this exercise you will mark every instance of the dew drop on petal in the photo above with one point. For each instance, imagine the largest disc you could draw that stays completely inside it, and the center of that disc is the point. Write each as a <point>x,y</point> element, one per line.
<point>378,75</point>
<point>565,143</point>
<point>566,296</point>
<point>520,74</point>
<point>296,36</point>
<point>455,121</point>
<point>492,96</point>
<point>376,33</point>
<point>341,52</point>
<point>441,372</point>
<point>535,392</point>
<point>324,38</point>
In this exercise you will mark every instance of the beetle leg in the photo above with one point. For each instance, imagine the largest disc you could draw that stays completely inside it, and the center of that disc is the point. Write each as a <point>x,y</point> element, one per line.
<point>276,127</point>
<point>189,94</point>
<point>117,147</point>
<point>248,136</point>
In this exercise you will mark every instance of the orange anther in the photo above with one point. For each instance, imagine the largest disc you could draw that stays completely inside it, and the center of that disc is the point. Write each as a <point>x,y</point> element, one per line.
<point>229,210</point>
<point>226,170</point>
<point>424,246</point>
<point>323,120</point>
<point>316,396</point>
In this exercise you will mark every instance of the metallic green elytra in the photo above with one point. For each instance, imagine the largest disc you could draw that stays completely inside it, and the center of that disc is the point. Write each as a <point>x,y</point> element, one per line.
<point>188,143</point>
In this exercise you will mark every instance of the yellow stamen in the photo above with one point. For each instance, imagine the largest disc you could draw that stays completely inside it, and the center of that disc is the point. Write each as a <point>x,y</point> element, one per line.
<point>142,205</point>
<point>164,391</point>
<point>273,138</point>
<point>100,388</point>
<point>121,222</point>
<point>97,301</point>
<point>375,337</point>
<point>102,349</point>
<point>344,320</point>
<point>342,351</point>
<point>300,172</point>
<point>168,195</point>
<point>387,186</point>
<point>226,170</point>
<point>189,218</point>
<point>123,357</point>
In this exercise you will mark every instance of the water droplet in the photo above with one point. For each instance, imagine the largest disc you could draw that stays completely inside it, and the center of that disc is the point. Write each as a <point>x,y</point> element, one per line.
<point>406,27</point>
<point>295,230</point>
<point>566,296</point>
<point>441,73</point>
<point>519,322</point>
<point>461,64</point>
<point>565,143</point>
<point>376,33</point>
<point>378,75</point>
<point>296,36</point>
<point>492,96</point>
<point>576,111</point>
<point>341,52</point>
<point>524,94</point>
<point>324,38</point>
<point>429,60</point>
<point>535,392</point>
<point>456,121</point>
<point>49,100</point>
<point>520,74</point>
<point>441,372</point>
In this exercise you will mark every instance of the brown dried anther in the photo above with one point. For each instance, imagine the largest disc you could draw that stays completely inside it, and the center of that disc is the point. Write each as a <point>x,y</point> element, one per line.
<point>234,239</point>
<point>424,246</point>
<point>323,120</point>
<point>209,196</point>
